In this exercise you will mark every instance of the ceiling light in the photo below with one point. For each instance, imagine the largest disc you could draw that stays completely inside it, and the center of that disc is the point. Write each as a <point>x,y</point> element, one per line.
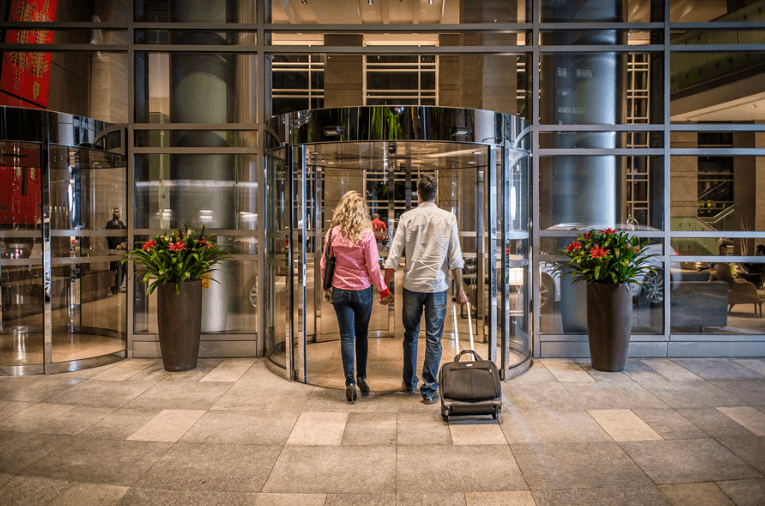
<point>461,130</point>
<point>430,2</point>
<point>304,1</point>
<point>371,2</point>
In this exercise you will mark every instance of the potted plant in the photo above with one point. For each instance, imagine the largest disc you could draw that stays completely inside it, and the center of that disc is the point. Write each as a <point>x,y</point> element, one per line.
<point>608,261</point>
<point>175,265</point>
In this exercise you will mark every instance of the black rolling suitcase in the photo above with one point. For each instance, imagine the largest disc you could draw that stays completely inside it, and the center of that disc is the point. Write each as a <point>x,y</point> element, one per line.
<point>469,388</point>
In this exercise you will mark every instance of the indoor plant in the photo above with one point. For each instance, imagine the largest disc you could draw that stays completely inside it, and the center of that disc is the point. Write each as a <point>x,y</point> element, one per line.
<point>608,261</point>
<point>175,265</point>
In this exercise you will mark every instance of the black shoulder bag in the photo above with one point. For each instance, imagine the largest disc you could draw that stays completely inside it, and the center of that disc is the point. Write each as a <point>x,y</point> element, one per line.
<point>329,266</point>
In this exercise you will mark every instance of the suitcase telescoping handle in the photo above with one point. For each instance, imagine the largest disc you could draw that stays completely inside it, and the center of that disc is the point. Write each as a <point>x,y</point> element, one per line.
<point>470,324</point>
<point>476,358</point>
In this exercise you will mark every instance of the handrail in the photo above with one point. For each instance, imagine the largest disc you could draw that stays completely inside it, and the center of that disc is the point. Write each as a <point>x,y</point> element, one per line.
<point>720,216</point>
<point>712,189</point>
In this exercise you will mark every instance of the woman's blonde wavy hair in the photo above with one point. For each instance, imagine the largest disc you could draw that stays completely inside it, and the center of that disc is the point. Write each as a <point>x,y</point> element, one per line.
<point>352,216</point>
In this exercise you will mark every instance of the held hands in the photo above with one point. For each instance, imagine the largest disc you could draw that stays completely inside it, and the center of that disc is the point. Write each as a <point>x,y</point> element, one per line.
<point>386,300</point>
<point>462,298</point>
<point>328,295</point>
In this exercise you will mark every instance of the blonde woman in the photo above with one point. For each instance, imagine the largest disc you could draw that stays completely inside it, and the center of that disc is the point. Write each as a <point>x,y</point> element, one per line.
<point>356,269</point>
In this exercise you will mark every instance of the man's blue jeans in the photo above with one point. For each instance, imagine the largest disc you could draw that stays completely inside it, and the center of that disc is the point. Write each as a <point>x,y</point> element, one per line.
<point>353,308</point>
<point>435,312</point>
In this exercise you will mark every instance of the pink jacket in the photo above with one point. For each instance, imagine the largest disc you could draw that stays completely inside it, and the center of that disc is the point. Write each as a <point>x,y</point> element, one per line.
<point>356,265</point>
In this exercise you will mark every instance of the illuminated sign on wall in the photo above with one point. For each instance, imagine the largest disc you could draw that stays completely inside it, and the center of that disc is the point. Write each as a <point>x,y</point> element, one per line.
<point>26,76</point>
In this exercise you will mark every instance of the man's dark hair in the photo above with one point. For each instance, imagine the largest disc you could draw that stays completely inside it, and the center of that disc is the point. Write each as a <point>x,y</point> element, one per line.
<point>761,248</point>
<point>426,187</point>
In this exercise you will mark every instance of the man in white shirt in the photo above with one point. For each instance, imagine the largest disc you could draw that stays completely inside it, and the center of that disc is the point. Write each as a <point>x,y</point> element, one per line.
<point>430,239</point>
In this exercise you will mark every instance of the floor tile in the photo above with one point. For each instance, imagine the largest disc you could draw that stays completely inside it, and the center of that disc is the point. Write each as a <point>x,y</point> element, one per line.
<point>422,429</point>
<point>99,461</point>
<point>696,494</point>
<point>515,498</point>
<point>670,424</point>
<point>75,421</point>
<point>341,471</point>
<point>566,371</point>
<point>120,424</point>
<point>715,423</point>
<point>35,388</point>
<point>602,395</point>
<point>431,499</point>
<point>203,368</point>
<point>180,395</point>
<point>79,494</point>
<point>750,392</point>
<point>457,469</point>
<point>689,394</point>
<point>276,395</point>
<point>750,418</point>
<point>160,497</point>
<point>370,429</point>
<point>168,426</point>
<point>318,429</point>
<point>290,499</point>
<point>582,465</point>
<point>229,370</point>
<point>624,425</point>
<point>744,492</point>
<point>610,496</point>
<point>31,491</point>
<point>35,416</point>
<point>5,478</point>
<point>755,364</point>
<point>687,461</point>
<point>102,394</point>
<point>361,499</point>
<point>717,369</point>
<point>537,372</point>
<point>123,370</point>
<point>330,399</point>
<point>224,468</point>
<point>750,449</point>
<point>242,427</point>
<point>540,395</point>
<point>476,432</point>
<point>10,408</point>
<point>671,370</point>
<point>548,426</point>
<point>19,450</point>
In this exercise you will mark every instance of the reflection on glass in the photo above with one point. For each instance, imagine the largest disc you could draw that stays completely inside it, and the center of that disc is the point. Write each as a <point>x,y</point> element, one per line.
<point>724,299</point>
<point>21,317</point>
<point>716,193</point>
<point>217,191</point>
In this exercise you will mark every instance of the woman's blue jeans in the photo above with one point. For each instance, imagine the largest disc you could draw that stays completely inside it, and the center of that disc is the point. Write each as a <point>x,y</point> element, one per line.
<point>435,312</point>
<point>353,308</point>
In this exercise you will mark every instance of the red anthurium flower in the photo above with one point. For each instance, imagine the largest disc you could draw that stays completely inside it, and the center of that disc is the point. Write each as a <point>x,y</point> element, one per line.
<point>574,246</point>
<point>177,246</point>
<point>587,235</point>
<point>598,252</point>
<point>202,242</point>
<point>148,245</point>
<point>608,231</point>
<point>636,249</point>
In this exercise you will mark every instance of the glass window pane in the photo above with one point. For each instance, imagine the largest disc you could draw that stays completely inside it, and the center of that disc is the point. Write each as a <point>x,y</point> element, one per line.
<point>712,193</point>
<point>196,138</point>
<point>591,191</point>
<point>21,296</point>
<point>217,191</point>
<point>194,88</point>
<point>722,300</point>
<point>151,11</point>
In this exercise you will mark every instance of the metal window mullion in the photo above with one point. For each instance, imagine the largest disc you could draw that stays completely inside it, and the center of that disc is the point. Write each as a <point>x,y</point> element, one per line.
<point>263,114</point>
<point>667,175</point>
<point>491,184</point>
<point>302,335</point>
<point>535,130</point>
<point>46,246</point>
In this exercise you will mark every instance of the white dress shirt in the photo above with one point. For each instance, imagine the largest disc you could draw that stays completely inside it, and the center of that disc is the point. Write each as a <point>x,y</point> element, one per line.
<point>429,237</point>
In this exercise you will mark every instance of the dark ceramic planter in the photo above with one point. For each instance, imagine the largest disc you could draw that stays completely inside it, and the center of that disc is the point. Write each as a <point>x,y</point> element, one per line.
<point>179,316</point>
<point>609,324</point>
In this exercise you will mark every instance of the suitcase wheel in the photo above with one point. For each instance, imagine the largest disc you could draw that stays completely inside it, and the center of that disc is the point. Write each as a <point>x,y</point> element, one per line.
<point>496,412</point>
<point>445,418</point>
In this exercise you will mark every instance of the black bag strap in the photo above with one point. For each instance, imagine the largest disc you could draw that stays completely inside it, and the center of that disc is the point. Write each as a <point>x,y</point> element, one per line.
<point>327,252</point>
<point>468,352</point>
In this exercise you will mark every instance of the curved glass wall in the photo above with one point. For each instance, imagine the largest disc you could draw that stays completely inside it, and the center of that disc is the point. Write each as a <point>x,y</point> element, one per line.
<point>481,161</point>
<point>62,235</point>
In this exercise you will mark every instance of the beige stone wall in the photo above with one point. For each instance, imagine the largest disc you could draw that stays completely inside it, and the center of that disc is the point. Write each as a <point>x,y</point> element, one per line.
<point>343,74</point>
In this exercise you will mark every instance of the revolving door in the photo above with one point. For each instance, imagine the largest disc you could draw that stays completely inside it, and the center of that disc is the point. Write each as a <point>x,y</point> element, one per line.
<point>480,160</point>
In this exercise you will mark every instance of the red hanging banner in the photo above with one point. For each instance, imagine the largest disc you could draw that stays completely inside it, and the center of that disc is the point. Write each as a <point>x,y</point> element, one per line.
<point>26,76</point>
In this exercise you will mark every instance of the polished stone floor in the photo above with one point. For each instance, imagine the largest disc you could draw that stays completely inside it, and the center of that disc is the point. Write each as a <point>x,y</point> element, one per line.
<point>664,432</point>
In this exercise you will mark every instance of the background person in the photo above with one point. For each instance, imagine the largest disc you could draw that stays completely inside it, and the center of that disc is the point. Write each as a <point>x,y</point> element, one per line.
<point>430,238</point>
<point>754,272</point>
<point>116,243</point>
<point>356,268</point>
<point>380,229</point>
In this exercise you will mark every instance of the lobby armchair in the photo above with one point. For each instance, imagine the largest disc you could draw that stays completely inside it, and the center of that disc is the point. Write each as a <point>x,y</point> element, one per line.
<point>739,290</point>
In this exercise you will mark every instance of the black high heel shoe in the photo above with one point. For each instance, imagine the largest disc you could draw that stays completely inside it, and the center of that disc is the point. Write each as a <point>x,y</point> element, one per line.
<point>363,386</point>
<point>350,393</point>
